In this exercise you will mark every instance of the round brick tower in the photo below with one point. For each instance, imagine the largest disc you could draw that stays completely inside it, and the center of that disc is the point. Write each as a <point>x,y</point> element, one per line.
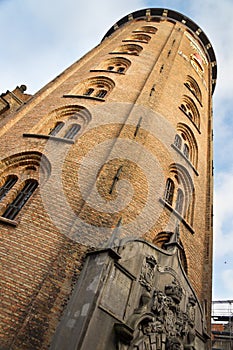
<point>120,141</point>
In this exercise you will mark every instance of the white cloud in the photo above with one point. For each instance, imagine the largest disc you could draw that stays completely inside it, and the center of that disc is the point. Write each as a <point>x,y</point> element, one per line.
<point>43,38</point>
<point>223,221</point>
<point>228,278</point>
<point>222,282</point>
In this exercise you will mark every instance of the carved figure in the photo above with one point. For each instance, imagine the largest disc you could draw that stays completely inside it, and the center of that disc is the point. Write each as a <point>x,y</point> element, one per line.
<point>159,305</point>
<point>147,274</point>
<point>161,322</point>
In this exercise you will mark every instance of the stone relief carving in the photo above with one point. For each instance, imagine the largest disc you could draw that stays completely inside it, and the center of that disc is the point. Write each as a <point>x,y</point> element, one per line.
<point>159,322</point>
<point>148,271</point>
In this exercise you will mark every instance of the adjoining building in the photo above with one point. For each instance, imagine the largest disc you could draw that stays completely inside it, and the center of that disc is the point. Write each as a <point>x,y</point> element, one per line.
<point>221,327</point>
<point>107,171</point>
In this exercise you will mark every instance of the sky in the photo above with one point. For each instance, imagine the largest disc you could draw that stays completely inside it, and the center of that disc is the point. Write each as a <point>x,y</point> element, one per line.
<point>40,38</point>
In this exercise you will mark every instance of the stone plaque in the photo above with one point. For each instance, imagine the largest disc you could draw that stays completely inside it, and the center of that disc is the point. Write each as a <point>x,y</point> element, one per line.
<point>116,292</point>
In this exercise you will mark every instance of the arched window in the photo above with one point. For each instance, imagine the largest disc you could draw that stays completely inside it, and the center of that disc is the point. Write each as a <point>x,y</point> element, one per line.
<point>27,168</point>
<point>96,91</point>
<point>13,208</point>
<point>72,131</point>
<point>9,183</point>
<point>114,64</point>
<point>57,124</point>
<point>101,93</point>
<point>88,92</point>
<point>179,191</point>
<point>186,142</point>
<point>189,108</point>
<point>143,38</point>
<point>120,69</point>
<point>130,49</point>
<point>146,29</point>
<point>169,191</point>
<point>57,128</point>
<point>179,201</point>
<point>97,87</point>
<point>192,85</point>
<point>177,141</point>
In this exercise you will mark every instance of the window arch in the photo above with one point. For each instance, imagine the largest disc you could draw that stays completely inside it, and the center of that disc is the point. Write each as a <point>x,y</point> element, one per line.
<point>72,118</point>
<point>115,64</point>
<point>193,86</point>
<point>19,177</point>
<point>129,49</point>
<point>97,87</point>
<point>146,29</point>
<point>142,38</point>
<point>183,194</point>
<point>186,142</point>
<point>189,108</point>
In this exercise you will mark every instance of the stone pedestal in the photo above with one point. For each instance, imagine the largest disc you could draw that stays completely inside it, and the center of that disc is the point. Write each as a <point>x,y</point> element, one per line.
<point>135,296</point>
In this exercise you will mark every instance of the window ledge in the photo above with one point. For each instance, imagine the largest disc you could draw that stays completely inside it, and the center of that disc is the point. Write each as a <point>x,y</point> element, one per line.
<point>143,31</point>
<point>186,159</point>
<point>180,217</point>
<point>50,137</point>
<point>135,41</point>
<point>124,53</point>
<point>8,221</point>
<point>107,71</point>
<point>85,96</point>
<point>190,120</point>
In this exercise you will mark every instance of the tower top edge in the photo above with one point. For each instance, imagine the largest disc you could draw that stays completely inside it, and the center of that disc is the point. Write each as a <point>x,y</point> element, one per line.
<point>164,13</point>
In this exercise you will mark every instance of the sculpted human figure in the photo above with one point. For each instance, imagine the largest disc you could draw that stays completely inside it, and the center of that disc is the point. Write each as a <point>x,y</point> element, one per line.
<point>159,306</point>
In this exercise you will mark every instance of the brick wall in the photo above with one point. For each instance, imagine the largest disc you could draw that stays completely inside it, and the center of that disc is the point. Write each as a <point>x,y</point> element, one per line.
<point>77,206</point>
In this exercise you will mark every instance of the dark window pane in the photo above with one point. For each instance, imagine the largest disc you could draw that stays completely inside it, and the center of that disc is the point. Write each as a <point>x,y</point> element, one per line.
<point>186,150</point>
<point>56,128</point>
<point>183,107</point>
<point>101,93</point>
<point>22,197</point>
<point>169,191</point>
<point>73,130</point>
<point>179,201</point>
<point>10,181</point>
<point>177,141</point>
<point>88,92</point>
